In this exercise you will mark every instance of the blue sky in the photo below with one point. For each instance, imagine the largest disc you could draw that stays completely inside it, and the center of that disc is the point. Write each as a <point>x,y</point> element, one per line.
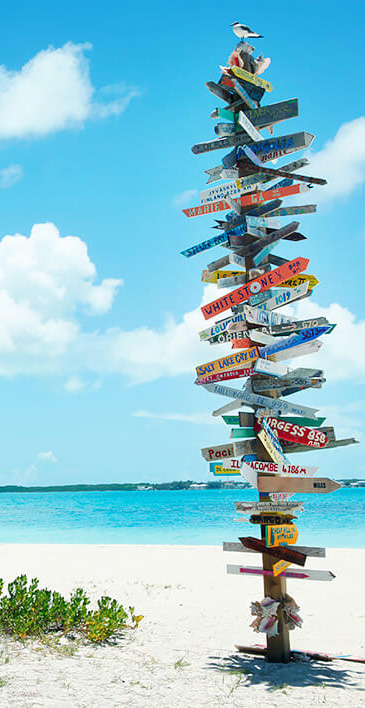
<point>99,107</point>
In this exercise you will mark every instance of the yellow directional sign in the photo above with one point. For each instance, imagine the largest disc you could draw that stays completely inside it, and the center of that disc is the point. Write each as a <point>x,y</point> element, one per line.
<point>220,470</point>
<point>300,280</point>
<point>280,566</point>
<point>277,535</point>
<point>216,275</point>
<point>241,359</point>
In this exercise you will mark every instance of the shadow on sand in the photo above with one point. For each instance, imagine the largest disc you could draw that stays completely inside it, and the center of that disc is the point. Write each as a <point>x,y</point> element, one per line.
<point>256,670</point>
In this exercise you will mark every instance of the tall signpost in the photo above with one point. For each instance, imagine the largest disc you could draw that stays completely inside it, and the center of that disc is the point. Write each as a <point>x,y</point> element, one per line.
<point>247,205</point>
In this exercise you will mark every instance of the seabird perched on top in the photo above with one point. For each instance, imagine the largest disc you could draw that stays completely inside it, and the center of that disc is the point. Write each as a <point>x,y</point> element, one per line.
<point>244,31</point>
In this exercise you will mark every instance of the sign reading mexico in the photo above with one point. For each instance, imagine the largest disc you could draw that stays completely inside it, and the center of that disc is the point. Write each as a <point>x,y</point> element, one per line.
<point>253,287</point>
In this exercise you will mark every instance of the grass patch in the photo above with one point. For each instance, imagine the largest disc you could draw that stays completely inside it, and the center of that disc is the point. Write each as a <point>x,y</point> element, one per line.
<point>30,611</point>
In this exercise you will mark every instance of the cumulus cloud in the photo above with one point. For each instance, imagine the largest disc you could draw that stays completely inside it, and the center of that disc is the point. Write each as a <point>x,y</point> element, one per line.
<point>184,198</point>
<point>47,457</point>
<point>52,92</point>
<point>331,358</point>
<point>341,162</point>
<point>10,175</point>
<point>202,418</point>
<point>48,284</point>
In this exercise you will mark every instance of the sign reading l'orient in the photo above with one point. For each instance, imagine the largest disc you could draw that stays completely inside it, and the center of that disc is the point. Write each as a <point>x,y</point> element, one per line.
<point>313,437</point>
<point>264,282</point>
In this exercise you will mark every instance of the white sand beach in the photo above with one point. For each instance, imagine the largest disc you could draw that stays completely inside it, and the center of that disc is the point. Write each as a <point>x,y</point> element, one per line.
<point>183,653</point>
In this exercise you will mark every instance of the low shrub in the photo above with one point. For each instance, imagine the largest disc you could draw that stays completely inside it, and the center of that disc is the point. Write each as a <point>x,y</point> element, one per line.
<point>30,611</point>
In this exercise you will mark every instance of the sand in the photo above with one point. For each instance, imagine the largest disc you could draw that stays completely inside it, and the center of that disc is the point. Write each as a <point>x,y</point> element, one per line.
<point>183,653</point>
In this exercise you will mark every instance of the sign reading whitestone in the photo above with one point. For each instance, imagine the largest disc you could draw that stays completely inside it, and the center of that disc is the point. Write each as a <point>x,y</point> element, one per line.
<point>253,287</point>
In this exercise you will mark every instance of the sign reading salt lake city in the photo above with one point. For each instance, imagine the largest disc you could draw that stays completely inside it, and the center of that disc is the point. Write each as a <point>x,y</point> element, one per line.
<point>243,358</point>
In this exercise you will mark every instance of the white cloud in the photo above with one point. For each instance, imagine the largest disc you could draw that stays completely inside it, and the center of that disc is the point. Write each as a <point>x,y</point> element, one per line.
<point>184,198</point>
<point>47,282</point>
<point>341,162</point>
<point>52,92</point>
<point>347,419</point>
<point>341,356</point>
<point>47,456</point>
<point>10,175</point>
<point>202,418</point>
<point>75,384</point>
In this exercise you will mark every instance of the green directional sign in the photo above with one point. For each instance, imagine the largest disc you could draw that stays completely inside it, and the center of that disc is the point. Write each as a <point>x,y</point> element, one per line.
<point>242,433</point>
<point>231,419</point>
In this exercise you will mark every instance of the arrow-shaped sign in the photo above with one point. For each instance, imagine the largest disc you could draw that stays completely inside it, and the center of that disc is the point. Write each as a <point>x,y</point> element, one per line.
<point>251,78</point>
<point>309,551</point>
<point>299,350</point>
<point>284,297</point>
<point>281,469</point>
<point>320,485</point>
<point>313,437</point>
<point>264,282</point>
<point>240,359</point>
<point>295,574</point>
<point>254,400</point>
<point>205,245</point>
<point>263,115</point>
<point>288,554</point>
<point>297,326</point>
<point>225,376</point>
<point>245,200</point>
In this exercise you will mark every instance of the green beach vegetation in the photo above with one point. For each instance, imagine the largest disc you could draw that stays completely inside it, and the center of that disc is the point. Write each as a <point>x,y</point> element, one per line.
<point>30,611</point>
<point>149,486</point>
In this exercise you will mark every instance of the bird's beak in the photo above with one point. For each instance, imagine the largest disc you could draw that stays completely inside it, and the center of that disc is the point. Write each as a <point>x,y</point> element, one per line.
<point>232,23</point>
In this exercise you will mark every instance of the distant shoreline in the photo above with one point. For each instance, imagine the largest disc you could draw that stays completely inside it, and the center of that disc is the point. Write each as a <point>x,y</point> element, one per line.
<point>150,487</point>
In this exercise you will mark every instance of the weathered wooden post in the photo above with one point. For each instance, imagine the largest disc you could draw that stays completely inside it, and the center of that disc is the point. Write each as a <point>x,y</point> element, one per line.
<point>261,338</point>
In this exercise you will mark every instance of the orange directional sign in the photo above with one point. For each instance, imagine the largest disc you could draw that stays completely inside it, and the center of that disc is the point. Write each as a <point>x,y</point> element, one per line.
<point>246,200</point>
<point>279,567</point>
<point>241,359</point>
<point>277,535</point>
<point>264,282</point>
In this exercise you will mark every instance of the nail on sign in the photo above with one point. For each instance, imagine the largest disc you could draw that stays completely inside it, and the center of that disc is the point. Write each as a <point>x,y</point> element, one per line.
<point>264,282</point>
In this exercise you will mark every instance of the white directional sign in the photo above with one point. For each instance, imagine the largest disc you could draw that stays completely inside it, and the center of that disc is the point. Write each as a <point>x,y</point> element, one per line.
<point>280,406</point>
<point>284,297</point>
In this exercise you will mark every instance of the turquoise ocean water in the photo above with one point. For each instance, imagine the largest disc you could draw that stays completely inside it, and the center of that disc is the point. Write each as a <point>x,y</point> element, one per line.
<point>166,517</point>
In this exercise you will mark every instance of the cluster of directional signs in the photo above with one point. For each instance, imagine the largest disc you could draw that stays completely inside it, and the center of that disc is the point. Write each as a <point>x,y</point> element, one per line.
<point>256,378</point>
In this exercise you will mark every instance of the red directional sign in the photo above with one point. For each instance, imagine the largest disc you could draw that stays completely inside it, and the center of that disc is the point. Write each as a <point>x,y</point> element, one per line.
<point>245,200</point>
<point>225,375</point>
<point>300,434</point>
<point>253,287</point>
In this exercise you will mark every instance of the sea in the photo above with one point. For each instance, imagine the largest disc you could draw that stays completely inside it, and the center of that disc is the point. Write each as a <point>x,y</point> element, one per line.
<point>187,517</point>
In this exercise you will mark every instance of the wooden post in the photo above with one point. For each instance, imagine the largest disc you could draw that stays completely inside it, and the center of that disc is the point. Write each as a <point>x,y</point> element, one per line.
<point>278,647</point>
